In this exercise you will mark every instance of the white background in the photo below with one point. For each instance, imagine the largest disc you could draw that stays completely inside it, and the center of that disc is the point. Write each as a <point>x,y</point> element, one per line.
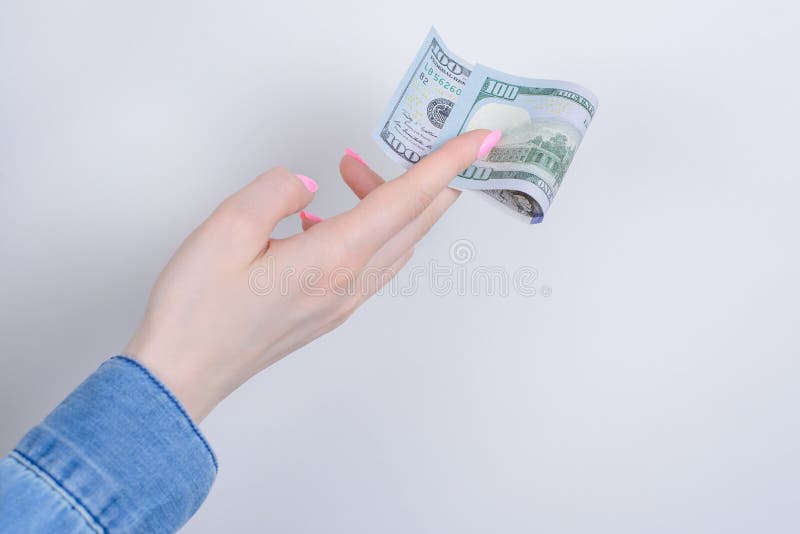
<point>655,390</point>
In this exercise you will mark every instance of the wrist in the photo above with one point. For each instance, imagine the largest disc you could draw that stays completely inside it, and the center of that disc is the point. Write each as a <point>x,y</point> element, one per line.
<point>187,380</point>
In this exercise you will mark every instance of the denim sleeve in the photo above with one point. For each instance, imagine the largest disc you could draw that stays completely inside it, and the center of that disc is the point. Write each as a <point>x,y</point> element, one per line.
<point>119,454</point>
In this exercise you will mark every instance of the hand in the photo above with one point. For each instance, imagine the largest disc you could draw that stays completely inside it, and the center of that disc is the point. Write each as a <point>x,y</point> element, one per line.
<point>211,324</point>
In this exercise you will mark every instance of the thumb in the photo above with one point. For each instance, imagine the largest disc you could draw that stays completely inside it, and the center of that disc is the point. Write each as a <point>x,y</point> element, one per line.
<point>249,215</point>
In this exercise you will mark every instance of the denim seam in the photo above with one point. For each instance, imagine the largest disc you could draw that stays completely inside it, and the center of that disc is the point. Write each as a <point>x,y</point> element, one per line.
<point>75,503</point>
<point>175,401</point>
<point>75,448</point>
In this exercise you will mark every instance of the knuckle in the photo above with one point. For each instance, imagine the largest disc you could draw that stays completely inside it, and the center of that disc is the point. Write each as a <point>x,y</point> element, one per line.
<point>419,201</point>
<point>235,220</point>
<point>343,246</point>
<point>426,220</point>
<point>227,212</point>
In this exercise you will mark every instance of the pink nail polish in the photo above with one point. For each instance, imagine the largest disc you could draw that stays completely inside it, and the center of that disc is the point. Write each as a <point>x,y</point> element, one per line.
<point>488,143</point>
<point>310,184</point>
<point>310,216</point>
<point>353,154</point>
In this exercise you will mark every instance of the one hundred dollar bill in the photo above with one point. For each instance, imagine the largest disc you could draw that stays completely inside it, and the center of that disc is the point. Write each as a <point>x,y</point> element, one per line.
<point>543,122</point>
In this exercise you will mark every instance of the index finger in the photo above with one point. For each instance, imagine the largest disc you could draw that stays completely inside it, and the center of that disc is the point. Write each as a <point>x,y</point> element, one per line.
<point>391,206</point>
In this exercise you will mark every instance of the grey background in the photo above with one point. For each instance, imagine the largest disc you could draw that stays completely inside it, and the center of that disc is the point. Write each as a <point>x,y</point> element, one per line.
<point>655,389</point>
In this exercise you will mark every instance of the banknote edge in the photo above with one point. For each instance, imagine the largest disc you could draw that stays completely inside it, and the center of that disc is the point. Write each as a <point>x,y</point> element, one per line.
<point>402,86</point>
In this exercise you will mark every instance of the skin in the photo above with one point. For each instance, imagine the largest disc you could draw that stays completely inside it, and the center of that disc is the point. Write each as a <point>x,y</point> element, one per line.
<point>206,331</point>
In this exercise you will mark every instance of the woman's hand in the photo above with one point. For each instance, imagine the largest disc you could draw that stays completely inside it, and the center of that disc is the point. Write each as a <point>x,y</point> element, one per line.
<point>232,300</point>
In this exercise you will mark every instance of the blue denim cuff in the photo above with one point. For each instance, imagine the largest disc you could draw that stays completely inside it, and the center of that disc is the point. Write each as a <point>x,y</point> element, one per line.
<point>123,451</point>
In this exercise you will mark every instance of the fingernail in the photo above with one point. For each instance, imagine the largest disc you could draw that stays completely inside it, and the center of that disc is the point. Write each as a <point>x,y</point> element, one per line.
<point>488,143</point>
<point>310,184</point>
<point>353,154</point>
<point>310,216</point>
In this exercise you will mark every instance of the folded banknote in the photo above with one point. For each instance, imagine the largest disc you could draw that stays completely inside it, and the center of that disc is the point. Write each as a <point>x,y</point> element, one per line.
<point>442,96</point>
